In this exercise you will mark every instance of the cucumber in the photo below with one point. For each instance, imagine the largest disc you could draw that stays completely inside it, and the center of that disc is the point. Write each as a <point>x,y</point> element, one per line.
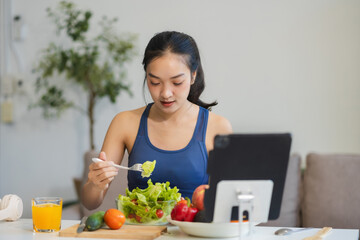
<point>95,221</point>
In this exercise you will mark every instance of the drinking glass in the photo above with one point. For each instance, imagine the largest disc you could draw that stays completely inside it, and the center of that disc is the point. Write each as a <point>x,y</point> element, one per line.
<point>46,214</point>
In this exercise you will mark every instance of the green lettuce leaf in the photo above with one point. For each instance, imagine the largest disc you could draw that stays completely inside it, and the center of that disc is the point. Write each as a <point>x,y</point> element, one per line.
<point>148,168</point>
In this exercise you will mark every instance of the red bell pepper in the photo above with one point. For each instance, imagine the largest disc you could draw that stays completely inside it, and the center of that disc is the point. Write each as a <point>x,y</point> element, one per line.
<point>190,215</point>
<point>179,212</point>
<point>183,212</point>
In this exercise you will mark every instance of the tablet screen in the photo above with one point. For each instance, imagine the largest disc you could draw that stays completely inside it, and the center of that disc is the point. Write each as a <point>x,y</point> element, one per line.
<point>248,157</point>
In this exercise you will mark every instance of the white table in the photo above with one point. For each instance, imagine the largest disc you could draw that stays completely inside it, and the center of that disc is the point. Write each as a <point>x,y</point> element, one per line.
<point>22,230</point>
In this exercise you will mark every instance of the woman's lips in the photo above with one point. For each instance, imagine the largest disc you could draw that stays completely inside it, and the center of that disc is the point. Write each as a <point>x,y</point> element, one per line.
<point>167,104</point>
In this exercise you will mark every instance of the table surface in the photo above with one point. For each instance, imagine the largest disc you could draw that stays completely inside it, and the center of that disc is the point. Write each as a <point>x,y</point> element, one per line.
<point>22,229</point>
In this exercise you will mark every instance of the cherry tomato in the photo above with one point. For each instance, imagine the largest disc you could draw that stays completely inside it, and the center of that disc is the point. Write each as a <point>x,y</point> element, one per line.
<point>114,218</point>
<point>159,213</point>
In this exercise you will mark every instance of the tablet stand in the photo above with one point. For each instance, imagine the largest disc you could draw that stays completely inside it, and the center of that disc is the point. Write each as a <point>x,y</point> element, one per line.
<point>253,196</point>
<point>246,203</point>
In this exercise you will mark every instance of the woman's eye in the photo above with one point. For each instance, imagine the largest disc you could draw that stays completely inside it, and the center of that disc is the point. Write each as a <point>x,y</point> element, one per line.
<point>177,83</point>
<point>154,83</point>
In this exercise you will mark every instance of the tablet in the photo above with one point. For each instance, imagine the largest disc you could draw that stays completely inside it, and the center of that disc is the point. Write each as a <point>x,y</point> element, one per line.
<point>248,157</point>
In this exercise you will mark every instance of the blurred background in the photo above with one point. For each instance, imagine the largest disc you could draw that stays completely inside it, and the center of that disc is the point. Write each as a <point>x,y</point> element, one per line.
<point>273,66</point>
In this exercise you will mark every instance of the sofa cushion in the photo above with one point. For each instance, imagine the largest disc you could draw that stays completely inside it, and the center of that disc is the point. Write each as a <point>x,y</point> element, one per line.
<point>290,205</point>
<point>331,191</point>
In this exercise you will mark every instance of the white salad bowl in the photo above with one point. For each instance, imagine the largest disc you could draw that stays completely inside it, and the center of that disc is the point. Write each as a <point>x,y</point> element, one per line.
<point>211,230</point>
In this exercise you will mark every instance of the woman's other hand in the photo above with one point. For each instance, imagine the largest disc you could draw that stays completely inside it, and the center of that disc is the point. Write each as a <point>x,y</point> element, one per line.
<point>102,173</point>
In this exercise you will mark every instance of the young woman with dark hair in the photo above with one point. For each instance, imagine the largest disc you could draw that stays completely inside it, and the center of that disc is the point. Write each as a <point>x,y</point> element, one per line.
<point>176,129</point>
<point>183,45</point>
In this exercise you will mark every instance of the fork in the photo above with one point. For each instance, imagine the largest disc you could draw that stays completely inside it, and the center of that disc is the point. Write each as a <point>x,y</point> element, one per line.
<point>135,167</point>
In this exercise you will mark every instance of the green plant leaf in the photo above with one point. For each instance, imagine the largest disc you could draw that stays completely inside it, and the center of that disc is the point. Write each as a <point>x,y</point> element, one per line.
<point>96,64</point>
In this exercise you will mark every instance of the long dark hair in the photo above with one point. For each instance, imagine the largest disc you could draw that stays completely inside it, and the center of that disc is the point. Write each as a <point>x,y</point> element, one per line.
<point>182,44</point>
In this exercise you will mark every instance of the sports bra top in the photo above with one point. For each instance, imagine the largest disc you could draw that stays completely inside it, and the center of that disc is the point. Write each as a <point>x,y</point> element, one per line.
<point>184,168</point>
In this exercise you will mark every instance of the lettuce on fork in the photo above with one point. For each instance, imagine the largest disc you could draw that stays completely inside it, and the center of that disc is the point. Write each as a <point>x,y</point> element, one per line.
<point>148,168</point>
<point>140,205</point>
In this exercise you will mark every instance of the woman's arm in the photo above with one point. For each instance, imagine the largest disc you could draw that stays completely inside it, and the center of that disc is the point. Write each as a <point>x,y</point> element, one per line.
<point>99,178</point>
<point>101,174</point>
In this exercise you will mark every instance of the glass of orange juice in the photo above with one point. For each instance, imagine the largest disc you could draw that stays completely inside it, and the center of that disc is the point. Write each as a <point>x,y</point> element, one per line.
<point>46,214</point>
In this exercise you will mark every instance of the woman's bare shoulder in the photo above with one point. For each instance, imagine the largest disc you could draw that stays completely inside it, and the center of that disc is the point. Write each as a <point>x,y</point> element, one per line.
<point>122,132</point>
<point>219,124</point>
<point>127,120</point>
<point>128,116</point>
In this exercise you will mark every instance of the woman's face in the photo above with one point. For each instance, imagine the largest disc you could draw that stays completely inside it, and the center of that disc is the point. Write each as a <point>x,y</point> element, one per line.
<point>169,80</point>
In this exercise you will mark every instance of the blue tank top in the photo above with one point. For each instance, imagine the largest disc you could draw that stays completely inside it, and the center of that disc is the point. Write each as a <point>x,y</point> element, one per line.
<point>184,168</point>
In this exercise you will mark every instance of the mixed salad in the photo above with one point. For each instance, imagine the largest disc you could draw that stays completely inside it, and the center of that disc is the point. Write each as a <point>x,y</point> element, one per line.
<point>150,205</point>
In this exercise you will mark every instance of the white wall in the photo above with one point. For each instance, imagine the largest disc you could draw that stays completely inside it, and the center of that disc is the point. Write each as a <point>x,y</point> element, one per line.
<point>273,66</point>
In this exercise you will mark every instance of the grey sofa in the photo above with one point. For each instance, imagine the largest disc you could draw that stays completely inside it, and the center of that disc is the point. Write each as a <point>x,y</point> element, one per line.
<point>331,193</point>
<point>325,193</point>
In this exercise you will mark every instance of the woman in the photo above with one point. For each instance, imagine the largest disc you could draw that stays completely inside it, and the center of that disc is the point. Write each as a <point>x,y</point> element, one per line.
<point>177,129</point>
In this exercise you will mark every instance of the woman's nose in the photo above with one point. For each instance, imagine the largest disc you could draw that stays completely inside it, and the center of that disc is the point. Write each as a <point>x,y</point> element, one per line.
<point>166,92</point>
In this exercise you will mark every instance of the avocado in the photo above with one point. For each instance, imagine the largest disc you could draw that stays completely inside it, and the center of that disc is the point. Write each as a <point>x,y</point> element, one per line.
<point>95,221</point>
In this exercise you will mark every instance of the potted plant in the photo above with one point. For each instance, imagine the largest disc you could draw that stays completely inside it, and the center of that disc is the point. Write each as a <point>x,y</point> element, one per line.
<point>95,64</point>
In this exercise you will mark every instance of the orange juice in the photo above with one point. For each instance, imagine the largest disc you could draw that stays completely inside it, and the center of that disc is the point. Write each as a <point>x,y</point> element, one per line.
<point>46,214</point>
